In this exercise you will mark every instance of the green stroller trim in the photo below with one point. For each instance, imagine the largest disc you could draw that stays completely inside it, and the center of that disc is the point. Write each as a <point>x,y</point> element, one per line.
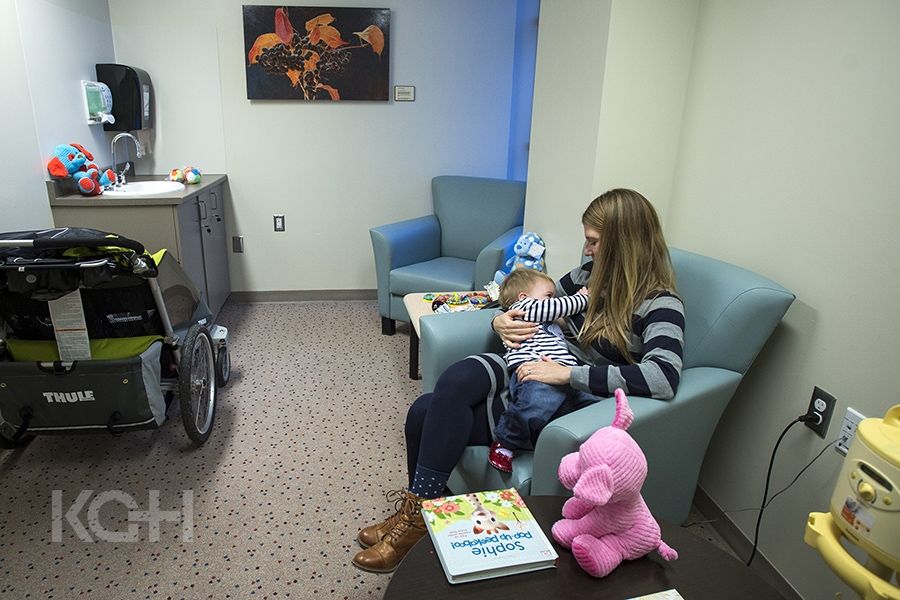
<point>101,349</point>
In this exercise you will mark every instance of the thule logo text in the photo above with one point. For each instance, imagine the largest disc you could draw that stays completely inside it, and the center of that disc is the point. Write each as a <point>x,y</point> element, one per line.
<point>82,396</point>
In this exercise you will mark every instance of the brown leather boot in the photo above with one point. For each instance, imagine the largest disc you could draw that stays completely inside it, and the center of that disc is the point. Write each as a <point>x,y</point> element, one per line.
<point>386,554</point>
<point>371,535</point>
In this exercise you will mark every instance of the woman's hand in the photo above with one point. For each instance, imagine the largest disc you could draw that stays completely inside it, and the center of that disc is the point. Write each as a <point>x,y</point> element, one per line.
<point>545,371</point>
<point>512,331</point>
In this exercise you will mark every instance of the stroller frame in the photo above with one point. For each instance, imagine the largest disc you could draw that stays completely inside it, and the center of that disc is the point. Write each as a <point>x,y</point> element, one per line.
<point>201,358</point>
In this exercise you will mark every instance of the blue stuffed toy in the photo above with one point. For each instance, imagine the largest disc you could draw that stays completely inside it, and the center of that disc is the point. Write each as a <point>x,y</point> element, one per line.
<point>74,160</point>
<point>528,254</point>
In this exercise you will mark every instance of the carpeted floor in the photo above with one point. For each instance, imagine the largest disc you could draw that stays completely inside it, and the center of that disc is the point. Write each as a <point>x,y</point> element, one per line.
<point>307,439</point>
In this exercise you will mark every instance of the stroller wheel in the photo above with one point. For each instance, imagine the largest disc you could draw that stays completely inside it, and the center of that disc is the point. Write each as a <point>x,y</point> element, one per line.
<point>223,366</point>
<point>197,384</point>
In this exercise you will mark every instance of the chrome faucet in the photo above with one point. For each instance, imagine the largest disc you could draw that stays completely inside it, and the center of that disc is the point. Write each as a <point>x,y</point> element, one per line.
<point>139,152</point>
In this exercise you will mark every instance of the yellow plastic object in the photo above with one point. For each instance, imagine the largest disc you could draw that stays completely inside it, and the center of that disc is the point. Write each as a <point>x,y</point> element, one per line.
<point>883,435</point>
<point>866,499</point>
<point>822,533</point>
<point>866,491</point>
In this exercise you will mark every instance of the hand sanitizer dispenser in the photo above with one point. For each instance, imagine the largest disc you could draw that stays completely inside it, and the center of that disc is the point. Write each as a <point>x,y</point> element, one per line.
<point>97,102</point>
<point>132,97</point>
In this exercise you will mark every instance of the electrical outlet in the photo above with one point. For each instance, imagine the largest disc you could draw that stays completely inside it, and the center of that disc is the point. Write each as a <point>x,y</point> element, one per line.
<point>279,222</point>
<point>848,431</point>
<point>821,406</point>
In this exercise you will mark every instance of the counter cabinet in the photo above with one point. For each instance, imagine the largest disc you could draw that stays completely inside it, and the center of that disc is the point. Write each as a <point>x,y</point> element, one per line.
<point>190,225</point>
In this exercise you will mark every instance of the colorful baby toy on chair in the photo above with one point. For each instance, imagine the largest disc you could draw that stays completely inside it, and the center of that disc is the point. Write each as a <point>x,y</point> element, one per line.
<point>607,521</point>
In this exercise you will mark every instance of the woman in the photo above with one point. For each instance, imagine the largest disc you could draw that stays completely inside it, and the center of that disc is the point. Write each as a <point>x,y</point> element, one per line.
<point>631,336</point>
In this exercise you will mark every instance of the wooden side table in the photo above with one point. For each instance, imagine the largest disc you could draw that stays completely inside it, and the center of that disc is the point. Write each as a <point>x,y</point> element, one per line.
<point>702,571</point>
<point>417,308</point>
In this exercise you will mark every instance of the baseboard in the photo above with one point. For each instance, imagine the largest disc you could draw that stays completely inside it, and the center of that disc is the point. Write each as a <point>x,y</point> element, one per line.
<point>742,546</point>
<point>303,295</point>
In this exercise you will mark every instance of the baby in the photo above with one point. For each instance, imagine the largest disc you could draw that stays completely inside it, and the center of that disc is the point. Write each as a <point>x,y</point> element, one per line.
<point>533,403</point>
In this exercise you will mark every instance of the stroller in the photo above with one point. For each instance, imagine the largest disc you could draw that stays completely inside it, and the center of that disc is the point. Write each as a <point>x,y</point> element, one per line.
<point>98,335</point>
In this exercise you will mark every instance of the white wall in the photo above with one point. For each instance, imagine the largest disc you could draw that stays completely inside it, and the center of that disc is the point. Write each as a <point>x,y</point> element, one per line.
<point>62,40</point>
<point>788,167</point>
<point>23,201</point>
<point>568,84</point>
<point>182,58</point>
<point>335,169</point>
<point>648,60</point>
<point>610,85</point>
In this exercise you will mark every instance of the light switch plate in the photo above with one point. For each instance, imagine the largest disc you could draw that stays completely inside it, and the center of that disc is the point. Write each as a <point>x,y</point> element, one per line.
<point>404,93</point>
<point>279,222</point>
<point>237,243</point>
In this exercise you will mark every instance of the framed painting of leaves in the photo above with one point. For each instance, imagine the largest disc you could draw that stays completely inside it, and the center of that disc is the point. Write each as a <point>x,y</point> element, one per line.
<point>317,53</point>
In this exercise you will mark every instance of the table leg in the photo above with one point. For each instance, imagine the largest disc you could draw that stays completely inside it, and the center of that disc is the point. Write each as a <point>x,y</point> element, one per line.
<point>413,354</point>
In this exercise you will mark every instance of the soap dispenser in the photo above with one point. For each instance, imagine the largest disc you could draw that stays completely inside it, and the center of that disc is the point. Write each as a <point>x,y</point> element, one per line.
<point>132,96</point>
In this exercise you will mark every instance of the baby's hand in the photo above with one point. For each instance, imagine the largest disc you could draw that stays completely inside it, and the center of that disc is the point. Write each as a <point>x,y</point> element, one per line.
<point>583,291</point>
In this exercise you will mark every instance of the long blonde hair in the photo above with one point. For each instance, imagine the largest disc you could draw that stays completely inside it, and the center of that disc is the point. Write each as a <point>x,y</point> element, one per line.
<point>631,263</point>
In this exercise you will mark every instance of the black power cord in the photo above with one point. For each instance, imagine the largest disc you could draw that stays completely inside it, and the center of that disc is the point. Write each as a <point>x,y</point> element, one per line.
<point>779,492</point>
<point>764,503</point>
<point>802,471</point>
<point>776,494</point>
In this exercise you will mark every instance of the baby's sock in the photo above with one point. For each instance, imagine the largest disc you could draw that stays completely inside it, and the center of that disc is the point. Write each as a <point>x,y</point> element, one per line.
<point>428,483</point>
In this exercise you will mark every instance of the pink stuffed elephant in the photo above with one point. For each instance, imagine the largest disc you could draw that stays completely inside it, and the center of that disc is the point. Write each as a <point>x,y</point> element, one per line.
<point>607,521</point>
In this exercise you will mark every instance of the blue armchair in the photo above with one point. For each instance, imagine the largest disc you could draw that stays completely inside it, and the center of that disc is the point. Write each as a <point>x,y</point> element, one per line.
<point>475,225</point>
<point>729,314</point>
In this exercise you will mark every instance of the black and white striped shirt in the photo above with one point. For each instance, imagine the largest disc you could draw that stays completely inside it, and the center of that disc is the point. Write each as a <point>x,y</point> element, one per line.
<point>548,340</point>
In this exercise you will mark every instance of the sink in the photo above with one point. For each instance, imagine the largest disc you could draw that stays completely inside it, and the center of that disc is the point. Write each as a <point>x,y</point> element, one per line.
<point>144,188</point>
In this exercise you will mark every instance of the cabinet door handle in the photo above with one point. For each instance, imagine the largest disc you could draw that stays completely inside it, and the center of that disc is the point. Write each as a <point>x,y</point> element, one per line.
<point>215,200</point>
<point>202,205</point>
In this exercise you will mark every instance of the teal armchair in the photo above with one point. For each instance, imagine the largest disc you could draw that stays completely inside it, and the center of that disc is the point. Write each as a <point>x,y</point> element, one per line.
<point>729,314</point>
<point>475,225</point>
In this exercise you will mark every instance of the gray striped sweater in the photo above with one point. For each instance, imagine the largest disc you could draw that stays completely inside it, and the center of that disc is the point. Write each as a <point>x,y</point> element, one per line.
<point>656,347</point>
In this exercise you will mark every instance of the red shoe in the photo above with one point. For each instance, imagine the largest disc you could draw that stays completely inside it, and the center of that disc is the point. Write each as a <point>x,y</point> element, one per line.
<point>498,460</point>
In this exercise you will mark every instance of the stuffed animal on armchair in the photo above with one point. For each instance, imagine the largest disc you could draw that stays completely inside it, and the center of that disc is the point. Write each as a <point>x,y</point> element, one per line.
<point>528,253</point>
<point>73,160</point>
<point>607,521</point>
